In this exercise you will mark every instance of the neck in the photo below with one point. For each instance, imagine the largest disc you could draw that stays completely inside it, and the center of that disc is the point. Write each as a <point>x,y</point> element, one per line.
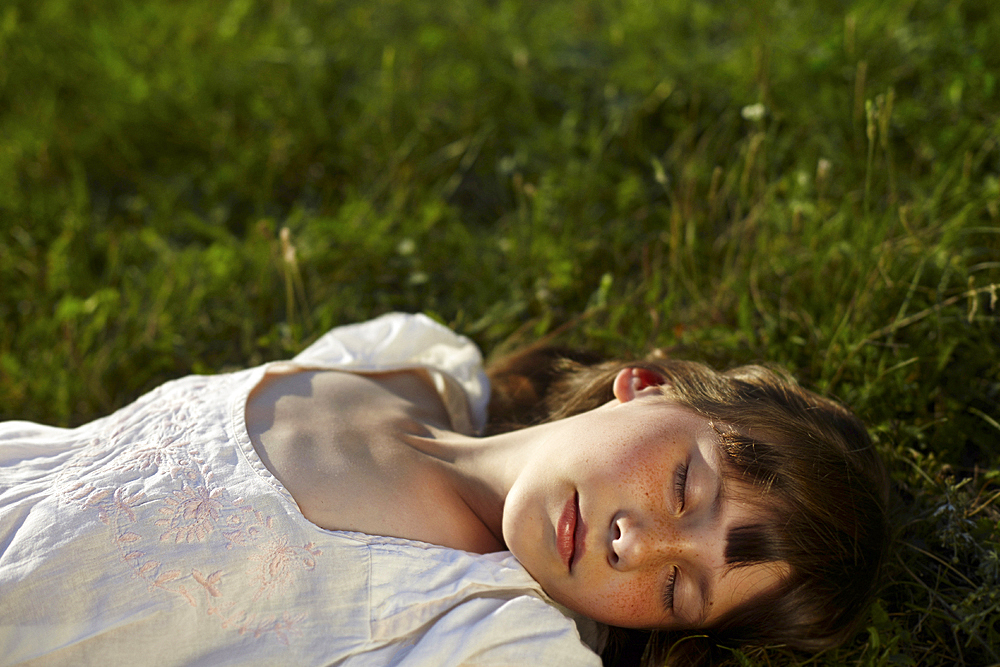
<point>482,470</point>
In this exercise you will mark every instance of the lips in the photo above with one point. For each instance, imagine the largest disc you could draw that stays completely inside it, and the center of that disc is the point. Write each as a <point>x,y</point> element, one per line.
<point>570,533</point>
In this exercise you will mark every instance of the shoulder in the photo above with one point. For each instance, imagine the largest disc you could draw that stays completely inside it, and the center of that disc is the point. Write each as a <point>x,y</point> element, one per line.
<point>398,341</point>
<point>522,630</point>
<point>391,338</point>
<point>458,608</point>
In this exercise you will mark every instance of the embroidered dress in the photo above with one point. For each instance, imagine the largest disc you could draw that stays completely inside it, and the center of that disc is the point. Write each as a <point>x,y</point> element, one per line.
<point>157,536</point>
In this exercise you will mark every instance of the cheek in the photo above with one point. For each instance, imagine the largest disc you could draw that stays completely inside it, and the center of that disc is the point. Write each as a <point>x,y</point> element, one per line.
<point>648,475</point>
<point>633,599</point>
<point>637,459</point>
<point>632,603</point>
<point>521,524</point>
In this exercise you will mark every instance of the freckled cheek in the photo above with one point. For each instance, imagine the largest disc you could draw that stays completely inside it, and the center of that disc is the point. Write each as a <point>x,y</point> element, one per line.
<point>633,603</point>
<point>623,601</point>
<point>651,476</point>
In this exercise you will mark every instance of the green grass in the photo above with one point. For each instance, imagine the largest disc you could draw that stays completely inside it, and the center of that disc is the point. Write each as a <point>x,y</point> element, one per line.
<point>515,168</point>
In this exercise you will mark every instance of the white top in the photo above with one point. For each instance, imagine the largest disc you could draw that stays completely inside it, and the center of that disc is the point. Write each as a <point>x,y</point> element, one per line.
<point>157,536</point>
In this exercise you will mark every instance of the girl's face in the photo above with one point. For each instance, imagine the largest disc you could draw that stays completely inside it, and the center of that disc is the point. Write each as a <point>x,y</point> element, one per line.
<point>622,515</point>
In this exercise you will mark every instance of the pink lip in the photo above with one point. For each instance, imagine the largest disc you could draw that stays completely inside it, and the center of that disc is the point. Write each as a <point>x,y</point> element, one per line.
<point>570,533</point>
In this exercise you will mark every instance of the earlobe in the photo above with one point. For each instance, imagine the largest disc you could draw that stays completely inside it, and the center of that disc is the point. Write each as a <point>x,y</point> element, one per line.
<point>630,381</point>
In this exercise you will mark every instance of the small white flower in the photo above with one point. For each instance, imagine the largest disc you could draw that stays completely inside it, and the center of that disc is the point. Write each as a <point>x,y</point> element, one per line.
<point>822,169</point>
<point>753,112</point>
<point>406,247</point>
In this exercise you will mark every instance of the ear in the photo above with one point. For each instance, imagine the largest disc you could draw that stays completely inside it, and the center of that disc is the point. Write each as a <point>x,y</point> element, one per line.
<point>630,381</point>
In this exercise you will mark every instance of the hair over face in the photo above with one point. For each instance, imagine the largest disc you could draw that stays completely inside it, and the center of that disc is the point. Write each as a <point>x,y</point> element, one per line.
<point>811,468</point>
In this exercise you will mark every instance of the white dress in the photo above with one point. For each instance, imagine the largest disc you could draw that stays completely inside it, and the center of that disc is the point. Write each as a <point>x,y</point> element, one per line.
<point>157,536</point>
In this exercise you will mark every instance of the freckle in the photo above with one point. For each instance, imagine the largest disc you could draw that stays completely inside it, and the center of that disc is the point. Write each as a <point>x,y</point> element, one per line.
<point>631,596</point>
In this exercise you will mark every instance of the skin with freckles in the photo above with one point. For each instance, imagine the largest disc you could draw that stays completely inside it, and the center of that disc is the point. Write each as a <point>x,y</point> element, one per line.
<point>653,512</point>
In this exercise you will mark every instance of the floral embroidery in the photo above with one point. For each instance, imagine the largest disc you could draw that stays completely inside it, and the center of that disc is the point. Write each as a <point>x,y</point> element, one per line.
<point>245,527</point>
<point>146,479</point>
<point>245,623</point>
<point>278,565</point>
<point>192,513</point>
<point>152,457</point>
<point>281,628</point>
<point>209,583</point>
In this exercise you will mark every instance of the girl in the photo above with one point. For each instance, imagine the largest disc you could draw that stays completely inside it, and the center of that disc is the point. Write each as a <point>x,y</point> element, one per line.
<point>340,508</point>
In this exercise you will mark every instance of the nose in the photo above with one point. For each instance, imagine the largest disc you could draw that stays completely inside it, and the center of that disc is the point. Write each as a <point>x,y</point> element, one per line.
<point>636,543</point>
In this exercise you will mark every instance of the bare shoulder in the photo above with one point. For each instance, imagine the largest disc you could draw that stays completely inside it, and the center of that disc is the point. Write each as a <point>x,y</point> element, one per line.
<point>335,395</point>
<point>338,442</point>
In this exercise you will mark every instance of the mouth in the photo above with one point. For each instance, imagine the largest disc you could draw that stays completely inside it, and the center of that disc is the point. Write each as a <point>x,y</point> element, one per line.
<point>570,533</point>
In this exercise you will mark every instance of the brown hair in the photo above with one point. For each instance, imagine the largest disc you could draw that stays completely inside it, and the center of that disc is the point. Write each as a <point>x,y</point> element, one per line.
<point>811,459</point>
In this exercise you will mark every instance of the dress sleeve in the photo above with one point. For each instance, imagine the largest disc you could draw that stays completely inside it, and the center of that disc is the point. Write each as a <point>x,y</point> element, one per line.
<point>399,341</point>
<point>491,632</point>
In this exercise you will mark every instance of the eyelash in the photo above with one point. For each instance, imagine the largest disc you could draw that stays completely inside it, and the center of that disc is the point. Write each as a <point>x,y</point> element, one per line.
<point>680,484</point>
<point>668,594</point>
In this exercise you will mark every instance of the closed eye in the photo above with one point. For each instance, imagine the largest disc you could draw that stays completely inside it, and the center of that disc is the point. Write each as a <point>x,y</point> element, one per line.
<point>680,485</point>
<point>668,592</point>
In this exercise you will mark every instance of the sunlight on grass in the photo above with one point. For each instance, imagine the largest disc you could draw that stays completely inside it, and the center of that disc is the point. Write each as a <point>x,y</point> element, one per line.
<point>189,187</point>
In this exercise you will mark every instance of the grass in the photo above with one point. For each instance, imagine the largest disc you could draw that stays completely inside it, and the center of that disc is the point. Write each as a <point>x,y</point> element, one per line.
<point>190,187</point>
